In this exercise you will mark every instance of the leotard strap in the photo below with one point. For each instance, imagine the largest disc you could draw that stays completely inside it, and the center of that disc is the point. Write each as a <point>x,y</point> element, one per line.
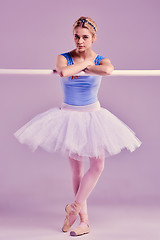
<point>69,58</point>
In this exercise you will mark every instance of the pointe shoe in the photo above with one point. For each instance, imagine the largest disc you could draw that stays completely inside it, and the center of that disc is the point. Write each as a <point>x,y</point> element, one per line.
<point>81,230</point>
<point>71,209</point>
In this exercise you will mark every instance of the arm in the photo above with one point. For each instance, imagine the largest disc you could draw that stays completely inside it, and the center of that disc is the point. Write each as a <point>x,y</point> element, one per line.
<point>65,71</point>
<point>104,68</point>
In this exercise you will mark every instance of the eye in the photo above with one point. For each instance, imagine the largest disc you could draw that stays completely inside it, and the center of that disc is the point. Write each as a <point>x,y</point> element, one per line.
<point>85,37</point>
<point>76,36</point>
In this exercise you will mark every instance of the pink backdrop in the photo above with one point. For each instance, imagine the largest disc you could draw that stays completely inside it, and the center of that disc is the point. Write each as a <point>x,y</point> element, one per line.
<point>33,33</point>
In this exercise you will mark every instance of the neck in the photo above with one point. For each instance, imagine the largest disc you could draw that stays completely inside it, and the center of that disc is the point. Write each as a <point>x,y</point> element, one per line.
<point>85,54</point>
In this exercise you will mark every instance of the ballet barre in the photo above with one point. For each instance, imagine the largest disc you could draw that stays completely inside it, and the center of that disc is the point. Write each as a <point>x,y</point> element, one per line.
<point>82,73</point>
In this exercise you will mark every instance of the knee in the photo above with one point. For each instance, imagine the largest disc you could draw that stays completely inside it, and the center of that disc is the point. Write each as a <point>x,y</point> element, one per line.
<point>77,173</point>
<point>98,166</point>
<point>76,168</point>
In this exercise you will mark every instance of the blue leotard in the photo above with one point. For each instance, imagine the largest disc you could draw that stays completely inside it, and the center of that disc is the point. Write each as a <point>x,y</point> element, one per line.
<point>82,90</point>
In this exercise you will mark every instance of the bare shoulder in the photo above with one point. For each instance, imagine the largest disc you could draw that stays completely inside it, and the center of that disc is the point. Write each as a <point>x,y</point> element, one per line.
<point>61,58</point>
<point>105,61</point>
<point>61,62</point>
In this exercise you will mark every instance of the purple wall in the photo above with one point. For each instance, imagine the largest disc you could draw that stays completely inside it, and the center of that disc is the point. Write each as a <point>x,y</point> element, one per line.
<point>33,33</point>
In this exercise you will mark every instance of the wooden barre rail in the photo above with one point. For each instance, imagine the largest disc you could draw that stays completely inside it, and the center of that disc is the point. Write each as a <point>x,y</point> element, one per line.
<point>52,72</point>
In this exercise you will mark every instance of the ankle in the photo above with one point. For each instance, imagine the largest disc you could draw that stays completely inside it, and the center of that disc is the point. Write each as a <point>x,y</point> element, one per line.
<point>76,207</point>
<point>84,218</point>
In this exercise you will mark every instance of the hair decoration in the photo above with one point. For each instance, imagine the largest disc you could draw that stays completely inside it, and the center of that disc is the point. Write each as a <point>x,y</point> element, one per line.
<point>92,25</point>
<point>83,21</point>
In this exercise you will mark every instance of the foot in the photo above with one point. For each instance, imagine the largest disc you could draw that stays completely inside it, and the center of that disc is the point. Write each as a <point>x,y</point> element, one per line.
<point>83,227</point>
<point>72,211</point>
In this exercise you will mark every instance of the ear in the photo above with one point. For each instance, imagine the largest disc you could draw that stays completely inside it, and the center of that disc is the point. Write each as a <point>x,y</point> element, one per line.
<point>94,38</point>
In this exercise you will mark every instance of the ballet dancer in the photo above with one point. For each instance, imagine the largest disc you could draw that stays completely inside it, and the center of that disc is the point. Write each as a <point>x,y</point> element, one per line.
<point>80,128</point>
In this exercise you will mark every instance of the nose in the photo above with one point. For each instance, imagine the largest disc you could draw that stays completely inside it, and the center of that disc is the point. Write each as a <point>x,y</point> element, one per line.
<point>80,40</point>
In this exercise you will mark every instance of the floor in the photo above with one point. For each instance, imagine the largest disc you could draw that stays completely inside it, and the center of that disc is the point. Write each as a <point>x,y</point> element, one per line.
<point>111,222</point>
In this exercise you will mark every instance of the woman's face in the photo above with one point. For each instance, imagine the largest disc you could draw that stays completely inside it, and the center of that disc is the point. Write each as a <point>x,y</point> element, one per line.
<point>83,38</point>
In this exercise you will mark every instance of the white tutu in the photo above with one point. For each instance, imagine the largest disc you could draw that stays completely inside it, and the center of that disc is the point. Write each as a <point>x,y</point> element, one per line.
<point>79,132</point>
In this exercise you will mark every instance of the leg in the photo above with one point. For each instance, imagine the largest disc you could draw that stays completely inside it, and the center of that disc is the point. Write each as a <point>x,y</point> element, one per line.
<point>77,170</point>
<point>83,186</point>
<point>90,179</point>
<point>86,186</point>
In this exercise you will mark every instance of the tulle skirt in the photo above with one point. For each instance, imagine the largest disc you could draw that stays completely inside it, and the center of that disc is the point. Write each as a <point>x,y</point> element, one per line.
<point>78,131</point>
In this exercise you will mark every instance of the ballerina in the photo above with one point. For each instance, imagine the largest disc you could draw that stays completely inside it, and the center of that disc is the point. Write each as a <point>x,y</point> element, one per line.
<point>80,128</point>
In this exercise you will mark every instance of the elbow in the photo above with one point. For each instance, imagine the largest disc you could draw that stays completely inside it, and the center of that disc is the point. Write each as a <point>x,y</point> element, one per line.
<point>109,70</point>
<point>62,73</point>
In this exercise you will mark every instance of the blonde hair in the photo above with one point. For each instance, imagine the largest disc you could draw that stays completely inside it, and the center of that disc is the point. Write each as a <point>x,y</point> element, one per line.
<point>86,22</point>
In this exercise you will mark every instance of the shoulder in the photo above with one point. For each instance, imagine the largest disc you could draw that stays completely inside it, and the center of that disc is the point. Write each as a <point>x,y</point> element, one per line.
<point>63,57</point>
<point>99,59</point>
<point>105,60</point>
<point>61,60</point>
<point>64,54</point>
